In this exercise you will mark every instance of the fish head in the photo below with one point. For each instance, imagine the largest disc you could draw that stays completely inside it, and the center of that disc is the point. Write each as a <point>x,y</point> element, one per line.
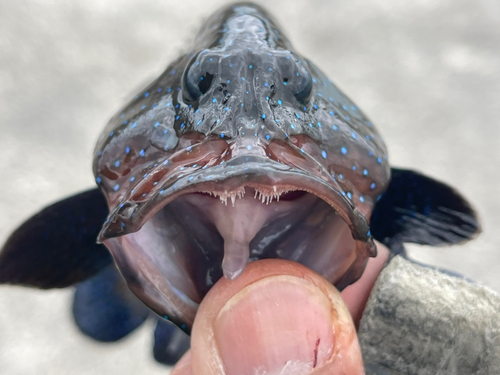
<point>240,150</point>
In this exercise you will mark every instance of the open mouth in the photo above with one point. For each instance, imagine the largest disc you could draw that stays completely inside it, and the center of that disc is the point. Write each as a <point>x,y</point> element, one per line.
<point>179,241</point>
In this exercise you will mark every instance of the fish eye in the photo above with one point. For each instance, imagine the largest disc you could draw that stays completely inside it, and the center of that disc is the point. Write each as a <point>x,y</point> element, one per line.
<point>296,78</point>
<point>304,87</point>
<point>195,81</point>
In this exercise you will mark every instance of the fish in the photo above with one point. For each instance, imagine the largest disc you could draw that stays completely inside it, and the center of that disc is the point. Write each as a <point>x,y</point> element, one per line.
<point>241,150</point>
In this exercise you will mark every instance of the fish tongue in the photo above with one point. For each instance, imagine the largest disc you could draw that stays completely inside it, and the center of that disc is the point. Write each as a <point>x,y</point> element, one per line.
<point>238,225</point>
<point>235,258</point>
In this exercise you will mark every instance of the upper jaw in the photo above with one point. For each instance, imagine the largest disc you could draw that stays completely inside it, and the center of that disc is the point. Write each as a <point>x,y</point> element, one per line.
<point>260,173</point>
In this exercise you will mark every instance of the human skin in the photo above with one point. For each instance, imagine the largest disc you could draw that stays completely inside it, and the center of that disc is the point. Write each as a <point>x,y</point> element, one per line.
<point>280,317</point>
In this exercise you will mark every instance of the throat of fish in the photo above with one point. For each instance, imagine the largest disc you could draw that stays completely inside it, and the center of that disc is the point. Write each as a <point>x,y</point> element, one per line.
<point>255,224</point>
<point>199,237</point>
<point>238,223</point>
<point>240,215</point>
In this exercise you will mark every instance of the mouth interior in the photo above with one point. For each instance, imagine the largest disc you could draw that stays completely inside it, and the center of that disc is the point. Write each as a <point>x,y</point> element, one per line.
<point>199,237</point>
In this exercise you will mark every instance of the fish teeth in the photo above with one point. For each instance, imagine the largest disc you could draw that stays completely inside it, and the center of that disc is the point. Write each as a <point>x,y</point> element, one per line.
<point>224,196</point>
<point>267,198</point>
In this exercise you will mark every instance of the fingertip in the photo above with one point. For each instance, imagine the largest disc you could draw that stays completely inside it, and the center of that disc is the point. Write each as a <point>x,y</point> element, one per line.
<point>356,295</point>
<point>277,316</point>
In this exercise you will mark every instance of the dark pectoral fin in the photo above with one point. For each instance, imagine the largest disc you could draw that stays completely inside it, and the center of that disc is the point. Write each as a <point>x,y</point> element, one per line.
<point>57,247</point>
<point>105,309</point>
<point>170,343</point>
<point>418,209</point>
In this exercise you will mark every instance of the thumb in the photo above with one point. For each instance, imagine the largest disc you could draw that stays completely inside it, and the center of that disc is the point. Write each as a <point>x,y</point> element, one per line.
<point>278,317</point>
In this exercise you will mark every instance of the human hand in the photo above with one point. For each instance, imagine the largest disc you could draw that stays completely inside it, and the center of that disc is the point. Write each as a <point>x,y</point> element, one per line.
<point>279,317</point>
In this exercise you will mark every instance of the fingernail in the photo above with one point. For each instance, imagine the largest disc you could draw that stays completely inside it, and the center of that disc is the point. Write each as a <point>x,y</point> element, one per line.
<point>279,324</point>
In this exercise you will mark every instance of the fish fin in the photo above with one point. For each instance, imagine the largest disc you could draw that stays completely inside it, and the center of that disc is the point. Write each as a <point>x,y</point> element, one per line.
<point>170,343</point>
<point>418,209</point>
<point>57,247</point>
<point>105,309</point>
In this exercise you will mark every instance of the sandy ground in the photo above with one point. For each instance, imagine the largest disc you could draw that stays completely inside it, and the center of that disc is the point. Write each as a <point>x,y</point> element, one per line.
<point>426,72</point>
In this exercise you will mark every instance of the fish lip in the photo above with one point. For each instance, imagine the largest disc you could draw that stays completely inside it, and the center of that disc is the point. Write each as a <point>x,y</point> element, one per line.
<point>243,171</point>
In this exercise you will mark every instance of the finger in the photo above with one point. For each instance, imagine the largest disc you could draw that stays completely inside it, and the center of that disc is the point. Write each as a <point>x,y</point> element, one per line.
<point>277,317</point>
<point>356,295</point>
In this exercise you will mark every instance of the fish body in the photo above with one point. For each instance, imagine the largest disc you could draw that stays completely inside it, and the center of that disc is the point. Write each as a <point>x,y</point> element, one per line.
<point>240,114</point>
<point>241,150</point>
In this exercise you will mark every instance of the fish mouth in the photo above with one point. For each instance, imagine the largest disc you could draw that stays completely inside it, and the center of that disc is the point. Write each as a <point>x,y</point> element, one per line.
<point>173,246</point>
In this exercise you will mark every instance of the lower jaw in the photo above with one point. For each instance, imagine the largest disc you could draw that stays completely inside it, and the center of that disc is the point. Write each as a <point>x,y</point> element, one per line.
<point>172,262</point>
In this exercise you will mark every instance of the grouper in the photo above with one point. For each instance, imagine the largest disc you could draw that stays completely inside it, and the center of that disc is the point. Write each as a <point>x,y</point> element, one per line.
<point>241,150</point>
